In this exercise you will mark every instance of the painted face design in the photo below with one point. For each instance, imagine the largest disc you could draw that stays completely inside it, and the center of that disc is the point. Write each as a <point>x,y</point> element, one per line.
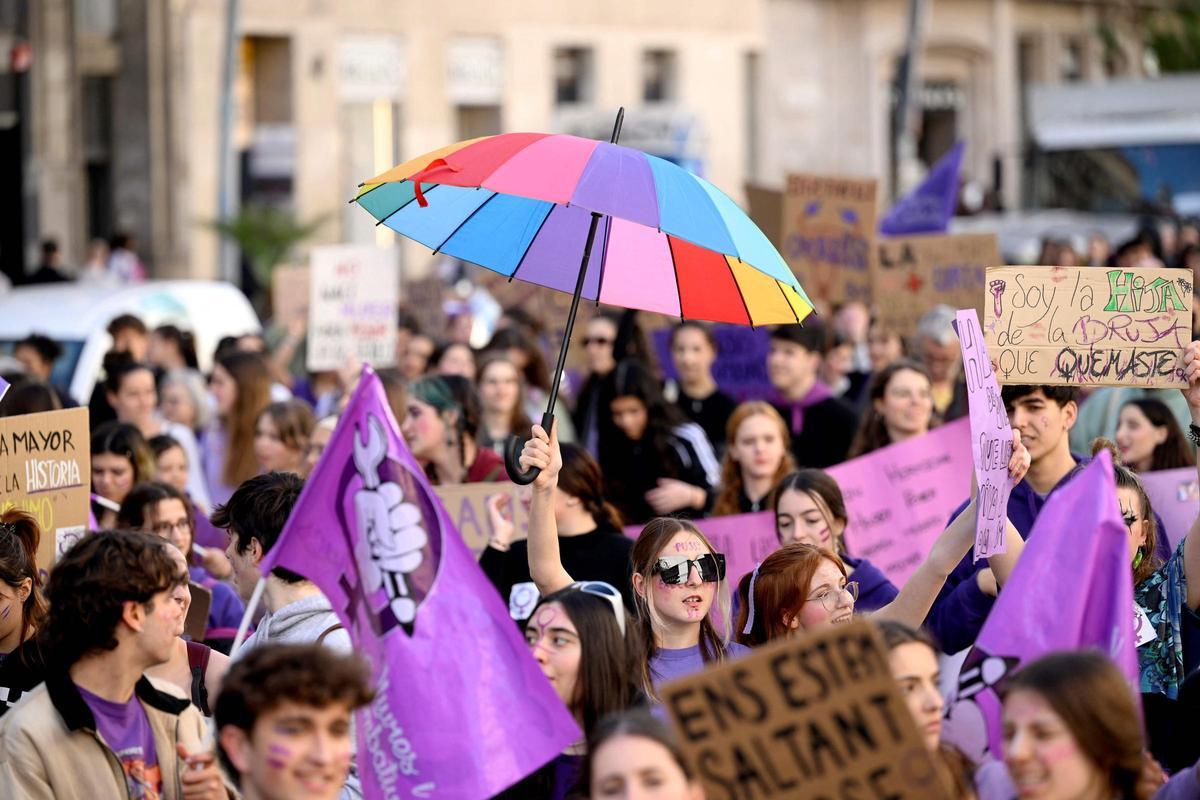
<point>555,645</point>
<point>690,601</point>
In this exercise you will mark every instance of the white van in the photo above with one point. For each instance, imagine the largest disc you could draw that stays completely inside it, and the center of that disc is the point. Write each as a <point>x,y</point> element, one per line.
<point>77,314</point>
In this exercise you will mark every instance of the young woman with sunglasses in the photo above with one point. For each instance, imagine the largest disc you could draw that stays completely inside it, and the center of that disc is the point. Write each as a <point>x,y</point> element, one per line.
<point>586,646</point>
<point>677,578</point>
<point>803,586</point>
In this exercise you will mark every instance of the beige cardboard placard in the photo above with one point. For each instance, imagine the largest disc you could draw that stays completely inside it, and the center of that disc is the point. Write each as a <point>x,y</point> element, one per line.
<point>766,209</point>
<point>1088,326</point>
<point>915,273</point>
<point>46,469</point>
<point>816,716</point>
<point>467,505</point>
<point>828,235</point>
<point>289,294</point>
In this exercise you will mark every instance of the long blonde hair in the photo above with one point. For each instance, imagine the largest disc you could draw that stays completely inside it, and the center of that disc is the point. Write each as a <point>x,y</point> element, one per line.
<point>731,471</point>
<point>653,538</point>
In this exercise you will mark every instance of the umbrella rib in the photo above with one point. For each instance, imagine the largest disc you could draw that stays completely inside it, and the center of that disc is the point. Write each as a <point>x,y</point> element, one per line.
<point>405,204</point>
<point>789,302</point>
<point>675,269</point>
<point>464,222</point>
<point>741,296</point>
<point>603,259</point>
<point>528,247</point>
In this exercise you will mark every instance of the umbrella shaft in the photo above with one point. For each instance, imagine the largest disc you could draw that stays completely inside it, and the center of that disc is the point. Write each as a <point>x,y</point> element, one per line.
<point>566,341</point>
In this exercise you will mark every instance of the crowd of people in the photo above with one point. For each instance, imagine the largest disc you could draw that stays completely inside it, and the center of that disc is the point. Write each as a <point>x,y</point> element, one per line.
<point>194,476</point>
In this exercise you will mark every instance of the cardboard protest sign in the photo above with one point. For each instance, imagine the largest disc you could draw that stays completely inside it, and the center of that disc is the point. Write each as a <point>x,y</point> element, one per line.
<point>466,503</point>
<point>1088,326</point>
<point>915,273</point>
<point>900,497</point>
<point>1175,496</point>
<point>829,235</point>
<point>290,294</point>
<point>741,366</point>
<point>354,294</point>
<point>816,716</point>
<point>991,437</point>
<point>766,209</point>
<point>46,469</point>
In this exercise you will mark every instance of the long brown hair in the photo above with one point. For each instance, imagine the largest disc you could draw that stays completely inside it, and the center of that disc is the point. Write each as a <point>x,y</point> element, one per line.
<point>731,471</point>
<point>1174,451</point>
<point>958,769</point>
<point>607,658</point>
<point>653,538</point>
<point>249,372</point>
<point>781,587</point>
<point>581,478</point>
<point>294,422</point>
<point>824,490</point>
<point>872,431</point>
<point>1095,702</point>
<point>518,421</point>
<point>20,536</point>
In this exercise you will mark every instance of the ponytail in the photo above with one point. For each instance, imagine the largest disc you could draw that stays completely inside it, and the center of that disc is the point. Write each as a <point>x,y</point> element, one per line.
<point>20,536</point>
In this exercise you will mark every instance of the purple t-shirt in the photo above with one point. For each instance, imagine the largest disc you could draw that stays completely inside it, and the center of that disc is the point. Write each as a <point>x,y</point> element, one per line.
<point>667,665</point>
<point>125,728</point>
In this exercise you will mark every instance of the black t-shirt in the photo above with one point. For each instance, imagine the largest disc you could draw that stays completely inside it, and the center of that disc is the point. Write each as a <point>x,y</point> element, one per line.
<point>711,414</point>
<point>825,437</point>
<point>602,555</point>
<point>20,671</point>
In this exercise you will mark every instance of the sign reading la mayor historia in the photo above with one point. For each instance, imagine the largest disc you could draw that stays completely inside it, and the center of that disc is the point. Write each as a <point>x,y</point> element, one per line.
<point>46,469</point>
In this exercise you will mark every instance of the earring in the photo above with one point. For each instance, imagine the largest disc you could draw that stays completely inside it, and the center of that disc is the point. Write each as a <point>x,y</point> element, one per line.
<point>1138,557</point>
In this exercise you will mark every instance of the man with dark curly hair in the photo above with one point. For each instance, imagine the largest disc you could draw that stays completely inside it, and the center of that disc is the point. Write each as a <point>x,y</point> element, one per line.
<point>98,728</point>
<point>283,720</point>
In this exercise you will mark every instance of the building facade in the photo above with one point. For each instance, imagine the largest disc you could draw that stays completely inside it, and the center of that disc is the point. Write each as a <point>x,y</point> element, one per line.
<point>119,107</point>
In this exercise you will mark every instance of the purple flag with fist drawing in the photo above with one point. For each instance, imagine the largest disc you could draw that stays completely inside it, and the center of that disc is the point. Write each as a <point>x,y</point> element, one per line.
<point>1072,588</point>
<point>462,710</point>
<point>929,207</point>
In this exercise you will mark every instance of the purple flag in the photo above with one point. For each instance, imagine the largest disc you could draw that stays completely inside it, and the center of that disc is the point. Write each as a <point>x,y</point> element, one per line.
<point>1071,589</point>
<point>4,386</point>
<point>991,436</point>
<point>929,207</point>
<point>462,711</point>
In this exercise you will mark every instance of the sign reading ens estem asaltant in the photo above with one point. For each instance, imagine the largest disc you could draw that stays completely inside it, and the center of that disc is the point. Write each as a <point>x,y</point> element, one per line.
<point>1088,326</point>
<point>817,716</point>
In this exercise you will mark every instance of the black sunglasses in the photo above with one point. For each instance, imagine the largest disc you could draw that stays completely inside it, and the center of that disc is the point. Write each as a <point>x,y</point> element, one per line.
<point>675,569</point>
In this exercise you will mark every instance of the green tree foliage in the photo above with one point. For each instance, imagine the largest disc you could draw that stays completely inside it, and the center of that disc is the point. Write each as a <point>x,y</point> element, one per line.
<point>1174,37</point>
<point>266,236</point>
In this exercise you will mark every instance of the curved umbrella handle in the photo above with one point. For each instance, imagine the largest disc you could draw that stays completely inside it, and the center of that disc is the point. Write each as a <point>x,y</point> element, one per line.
<point>512,455</point>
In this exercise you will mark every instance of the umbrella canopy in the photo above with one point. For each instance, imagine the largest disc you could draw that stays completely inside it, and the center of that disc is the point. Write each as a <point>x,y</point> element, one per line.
<point>521,204</point>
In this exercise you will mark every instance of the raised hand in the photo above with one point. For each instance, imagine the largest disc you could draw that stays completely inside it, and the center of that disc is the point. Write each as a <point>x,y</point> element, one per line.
<point>1191,371</point>
<point>542,451</point>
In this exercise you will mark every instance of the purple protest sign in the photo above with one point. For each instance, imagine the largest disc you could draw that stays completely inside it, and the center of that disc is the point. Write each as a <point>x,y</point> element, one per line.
<point>991,436</point>
<point>462,710</point>
<point>1072,588</point>
<point>900,497</point>
<point>741,366</point>
<point>1175,496</point>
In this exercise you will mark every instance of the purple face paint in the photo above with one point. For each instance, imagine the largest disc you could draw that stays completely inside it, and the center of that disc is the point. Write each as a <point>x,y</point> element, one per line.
<point>4,613</point>
<point>278,755</point>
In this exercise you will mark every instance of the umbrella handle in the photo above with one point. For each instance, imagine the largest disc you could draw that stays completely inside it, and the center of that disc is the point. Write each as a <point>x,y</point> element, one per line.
<point>512,455</point>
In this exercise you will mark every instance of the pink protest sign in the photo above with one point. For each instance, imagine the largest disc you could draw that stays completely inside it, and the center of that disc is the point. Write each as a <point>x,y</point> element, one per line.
<point>991,436</point>
<point>1175,497</point>
<point>745,539</point>
<point>900,498</point>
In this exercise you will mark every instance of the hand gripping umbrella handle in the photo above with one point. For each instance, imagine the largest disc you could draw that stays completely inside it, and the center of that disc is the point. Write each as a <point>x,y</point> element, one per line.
<point>512,455</point>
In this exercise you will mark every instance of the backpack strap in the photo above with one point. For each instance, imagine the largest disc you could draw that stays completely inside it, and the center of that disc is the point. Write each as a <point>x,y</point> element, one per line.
<point>337,626</point>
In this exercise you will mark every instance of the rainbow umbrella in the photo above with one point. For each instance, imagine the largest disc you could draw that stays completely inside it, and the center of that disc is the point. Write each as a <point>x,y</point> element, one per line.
<point>654,237</point>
